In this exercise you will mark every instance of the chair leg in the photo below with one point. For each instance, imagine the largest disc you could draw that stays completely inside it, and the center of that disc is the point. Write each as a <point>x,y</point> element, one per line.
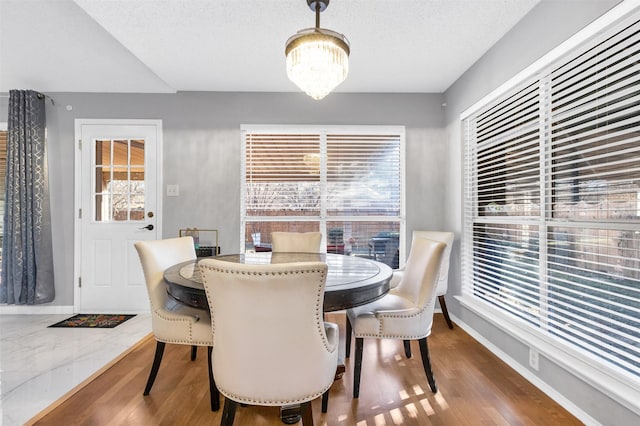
<point>426,363</point>
<point>194,352</point>
<point>407,348</point>
<point>325,401</point>
<point>357,368</point>
<point>155,367</point>
<point>307,413</point>
<point>445,312</point>
<point>213,389</point>
<point>228,413</point>
<point>347,339</point>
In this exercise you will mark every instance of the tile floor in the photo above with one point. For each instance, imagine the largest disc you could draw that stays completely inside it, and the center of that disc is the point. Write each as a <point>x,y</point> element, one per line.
<point>38,365</point>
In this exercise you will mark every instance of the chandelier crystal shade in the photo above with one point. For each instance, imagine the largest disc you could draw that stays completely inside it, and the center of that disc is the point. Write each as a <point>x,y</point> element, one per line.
<point>317,58</point>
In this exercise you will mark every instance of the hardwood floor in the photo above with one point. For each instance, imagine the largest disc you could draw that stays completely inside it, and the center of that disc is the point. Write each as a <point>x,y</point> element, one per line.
<point>474,388</point>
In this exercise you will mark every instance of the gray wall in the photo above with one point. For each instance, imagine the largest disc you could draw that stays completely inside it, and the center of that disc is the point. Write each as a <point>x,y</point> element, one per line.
<point>201,153</point>
<point>545,27</point>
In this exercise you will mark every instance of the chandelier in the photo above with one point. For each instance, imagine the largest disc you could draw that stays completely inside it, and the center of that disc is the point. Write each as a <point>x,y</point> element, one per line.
<point>317,58</point>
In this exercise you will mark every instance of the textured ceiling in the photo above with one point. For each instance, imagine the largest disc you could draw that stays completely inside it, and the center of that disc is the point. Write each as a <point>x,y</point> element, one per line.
<point>164,46</point>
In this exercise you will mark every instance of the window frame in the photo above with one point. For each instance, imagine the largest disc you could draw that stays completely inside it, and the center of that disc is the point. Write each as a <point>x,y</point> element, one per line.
<point>625,387</point>
<point>322,218</point>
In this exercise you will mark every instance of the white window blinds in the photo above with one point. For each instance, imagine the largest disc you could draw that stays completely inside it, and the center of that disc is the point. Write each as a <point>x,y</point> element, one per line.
<point>552,201</point>
<point>282,174</point>
<point>346,182</point>
<point>363,175</point>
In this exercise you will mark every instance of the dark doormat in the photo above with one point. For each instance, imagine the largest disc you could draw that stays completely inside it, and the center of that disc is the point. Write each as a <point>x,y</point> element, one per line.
<point>93,321</point>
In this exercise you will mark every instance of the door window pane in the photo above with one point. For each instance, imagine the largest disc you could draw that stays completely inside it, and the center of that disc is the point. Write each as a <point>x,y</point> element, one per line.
<point>119,180</point>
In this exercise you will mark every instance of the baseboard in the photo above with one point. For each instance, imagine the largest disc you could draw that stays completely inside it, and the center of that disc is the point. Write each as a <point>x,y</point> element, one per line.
<point>35,309</point>
<point>524,372</point>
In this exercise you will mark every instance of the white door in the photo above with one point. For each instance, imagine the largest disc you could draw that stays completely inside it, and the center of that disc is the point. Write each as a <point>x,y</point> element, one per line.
<point>117,179</point>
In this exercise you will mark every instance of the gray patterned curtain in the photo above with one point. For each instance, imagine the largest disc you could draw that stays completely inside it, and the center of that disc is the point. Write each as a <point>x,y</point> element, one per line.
<point>27,258</point>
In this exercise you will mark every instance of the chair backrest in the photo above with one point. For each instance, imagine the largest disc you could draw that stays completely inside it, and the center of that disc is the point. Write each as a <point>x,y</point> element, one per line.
<point>296,242</point>
<point>420,275</point>
<point>269,342</point>
<point>446,238</point>
<point>155,257</point>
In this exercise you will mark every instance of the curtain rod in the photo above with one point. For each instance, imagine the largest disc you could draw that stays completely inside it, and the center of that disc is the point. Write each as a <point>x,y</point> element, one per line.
<point>40,95</point>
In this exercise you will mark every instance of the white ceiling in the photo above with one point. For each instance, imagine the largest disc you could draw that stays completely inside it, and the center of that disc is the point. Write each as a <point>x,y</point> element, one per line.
<point>164,46</point>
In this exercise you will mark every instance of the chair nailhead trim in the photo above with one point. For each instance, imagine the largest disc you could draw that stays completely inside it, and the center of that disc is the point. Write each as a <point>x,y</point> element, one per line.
<point>393,336</point>
<point>253,401</point>
<point>159,314</point>
<point>319,295</point>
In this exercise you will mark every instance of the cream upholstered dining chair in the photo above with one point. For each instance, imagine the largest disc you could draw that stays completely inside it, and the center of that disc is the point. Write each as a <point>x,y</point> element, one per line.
<point>296,242</point>
<point>171,321</point>
<point>271,344</point>
<point>406,312</point>
<point>443,279</point>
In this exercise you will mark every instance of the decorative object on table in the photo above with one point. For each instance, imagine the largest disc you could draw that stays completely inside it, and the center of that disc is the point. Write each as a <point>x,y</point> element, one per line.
<point>171,321</point>
<point>317,58</point>
<point>406,312</point>
<point>205,245</point>
<point>273,347</point>
<point>93,321</point>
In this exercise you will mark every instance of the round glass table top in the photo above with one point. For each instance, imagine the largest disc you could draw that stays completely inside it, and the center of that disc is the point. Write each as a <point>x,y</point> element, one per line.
<point>342,270</point>
<point>351,280</point>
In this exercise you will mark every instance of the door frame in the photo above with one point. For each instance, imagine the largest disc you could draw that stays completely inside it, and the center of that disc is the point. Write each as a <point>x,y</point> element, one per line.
<point>77,239</point>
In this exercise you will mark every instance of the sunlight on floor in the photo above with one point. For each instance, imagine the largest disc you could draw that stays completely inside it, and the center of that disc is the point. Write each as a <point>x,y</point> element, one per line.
<point>417,390</point>
<point>426,406</point>
<point>397,416</point>
<point>379,420</point>
<point>412,410</point>
<point>441,401</point>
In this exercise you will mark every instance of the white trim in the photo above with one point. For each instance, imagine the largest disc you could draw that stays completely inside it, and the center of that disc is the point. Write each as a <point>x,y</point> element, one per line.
<point>402,242</point>
<point>35,309</point>
<point>322,131</point>
<point>79,122</point>
<point>243,198</point>
<point>608,381</point>
<point>295,128</point>
<point>619,12</point>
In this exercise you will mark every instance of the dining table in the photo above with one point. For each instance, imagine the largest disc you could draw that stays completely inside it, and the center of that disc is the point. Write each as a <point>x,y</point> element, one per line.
<point>351,281</point>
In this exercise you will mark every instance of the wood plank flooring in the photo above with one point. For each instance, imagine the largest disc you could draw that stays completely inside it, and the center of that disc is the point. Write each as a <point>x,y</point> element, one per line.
<point>474,388</point>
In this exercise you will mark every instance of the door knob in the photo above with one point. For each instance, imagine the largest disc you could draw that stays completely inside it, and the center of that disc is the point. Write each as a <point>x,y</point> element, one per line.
<point>149,227</point>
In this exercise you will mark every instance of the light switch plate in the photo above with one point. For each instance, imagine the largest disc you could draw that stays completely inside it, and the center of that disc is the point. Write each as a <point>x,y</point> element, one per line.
<point>173,190</point>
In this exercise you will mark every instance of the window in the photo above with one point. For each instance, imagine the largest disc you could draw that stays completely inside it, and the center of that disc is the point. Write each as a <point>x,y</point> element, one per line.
<point>552,201</point>
<point>346,182</point>
<point>119,180</point>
